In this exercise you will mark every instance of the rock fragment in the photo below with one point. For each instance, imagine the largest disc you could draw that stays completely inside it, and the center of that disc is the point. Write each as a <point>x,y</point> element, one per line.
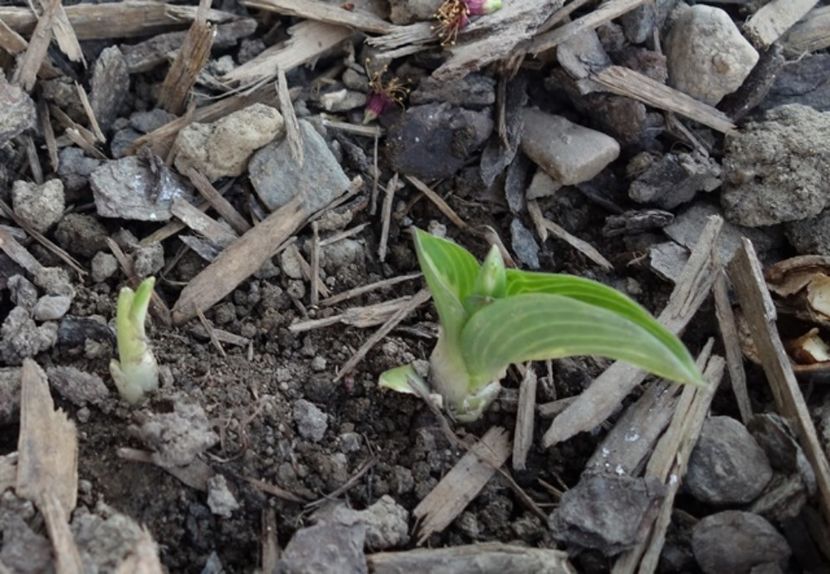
<point>734,541</point>
<point>222,149</point>
<point>180,436</point>
<point>675,179</point>
<point>386,522</point>
<point>221,500</point>
<point>18,111</point>
<point>20,337</point>
<point>311,421</point>
<point>41,206</point>
<point>471,91</point>
<point>524,244</point>
<point>76,386</point>
<point>103,266</point>
<point>706,54</point>
<point>110,86</point>
<point>81,234</point>
<point>325,549</point>
<point>51,307</point>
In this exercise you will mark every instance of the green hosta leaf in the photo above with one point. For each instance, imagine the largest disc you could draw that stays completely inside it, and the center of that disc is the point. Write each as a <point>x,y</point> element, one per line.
<point>593,293</point>
<point>450,272</point>
<point>538,326</point>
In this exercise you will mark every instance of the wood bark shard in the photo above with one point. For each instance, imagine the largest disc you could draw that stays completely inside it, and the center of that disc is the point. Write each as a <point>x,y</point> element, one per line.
<point>184,71</point>
<point>292,126</point>
<point>668,463</point>
<point>324,12</point>
<point>219,203</point>
<point>462,483</point>
<point>115,19</point>
<point>626,82</point>
<point>47,468</point>
<point>30,62</point>
<point>238,261</point>
<point>810,34</point>
<point>18,253</point>
<point>309,40</point>
<point>598,401</point>
<point>363,289</point>
<point>732,346</point>
<point>201,223</point>
<point>65,34</point>
<point>525,414</point>
<point>773,19</point>
<point>483,558</point>
<point>759,312</point>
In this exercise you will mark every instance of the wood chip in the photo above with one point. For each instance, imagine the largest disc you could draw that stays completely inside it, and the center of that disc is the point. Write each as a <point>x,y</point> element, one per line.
<point>583,247</point>
<point>386,215</point>
<point>198,221</point>
<point>525,415</point>
<point>488,557</point>
<point>65,34</point>
<point>275,490</point>
<point>238,261</point>
<point>307,269</point>
<point>189,61</point>
<point>48,134</point>
<point>668,464</point>
<point>292,126</point>
<point>47,468</point>
<point>219,203</point>
<point>416,301</point>
<point>361,317</point>
<point>462,483</point>
<point>29,63</point>
<point>18,253</point>
<point>601,398</point>
<point>732,345</point>
<point>759,312</point>
<point>90,115</point>
<point>439,202</point>
<point>324,12</point>
<point>626,82</point>
<point>316,282</point>
<point>195,475</point>
<point>363,289</point>
<point>773,20</point>
<point>269,542</point>
<point>811,34</point>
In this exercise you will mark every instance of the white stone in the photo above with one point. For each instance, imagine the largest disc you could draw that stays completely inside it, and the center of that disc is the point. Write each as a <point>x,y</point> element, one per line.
<point>706,55</point>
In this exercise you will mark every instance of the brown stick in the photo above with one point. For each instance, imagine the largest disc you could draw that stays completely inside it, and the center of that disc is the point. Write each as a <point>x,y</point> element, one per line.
<point>732,346</point>
<point>28,65</point>
<point>324,12</point>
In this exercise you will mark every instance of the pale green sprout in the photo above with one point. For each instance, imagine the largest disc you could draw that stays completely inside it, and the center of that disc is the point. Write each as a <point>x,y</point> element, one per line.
<point>492,317</point>
<point>136,371</point>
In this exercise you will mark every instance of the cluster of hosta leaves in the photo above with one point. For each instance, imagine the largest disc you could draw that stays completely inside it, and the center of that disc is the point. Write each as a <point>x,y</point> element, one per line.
<point>492,317</point>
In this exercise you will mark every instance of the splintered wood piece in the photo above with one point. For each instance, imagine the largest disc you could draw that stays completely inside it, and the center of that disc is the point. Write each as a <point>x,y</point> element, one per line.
<point>90,115</point>
<point>732,346</point>
<point>189,61</point>
<point>668,464</point>
<point>439,202</point>
<point>11,41</point>
<point>324,12</point>
<point>402,313</point>
<point>759,312</point>
<point>462,483</point>
<point>306,268</point>
<point>48,133</point>
<point>116,19</point>
<point>268,540</point>
<point>361,317</point>
<point>363,289</point>
<point>47,467</point>
<point>386,216</point>
<point>309,40</point>
<point>65,34</point>
<point>34,161</point>
<point>488,557</point>
<point>219,203</point>
<point>590,21</point>
<point>773,19</point>
<point>810,34</point>
<point>8,471</point>
<point>142,558</point>
<point>601,398</point>
<point>626,82</point>
<point>316,282</point>
<point>238,261</point>
<point>195,475</point>
<point>18,253</point>
<point>201,223</point>
<point>30,62</point>
<point>292,126</point>
<point>580,245</point>
<point>525,413</point>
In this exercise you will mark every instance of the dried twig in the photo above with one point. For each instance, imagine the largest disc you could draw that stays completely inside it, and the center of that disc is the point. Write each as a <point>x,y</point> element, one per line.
<point>29,63</point>
<point>324,12</point>
<point>525,413</point>
<point>386,215</point>
<point>486,557</point>
<point>773,20</point>
<point>292,126</point>
<point>219,203</point>
<point>90,114</point>
<point>583,247</point>
<point>732,346</point>
<point>363,289</point>
<point>439,202</point>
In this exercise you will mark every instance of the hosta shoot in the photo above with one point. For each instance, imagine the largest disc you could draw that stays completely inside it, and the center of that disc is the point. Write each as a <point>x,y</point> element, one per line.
<point>136,371</point>
<point>492,317</point>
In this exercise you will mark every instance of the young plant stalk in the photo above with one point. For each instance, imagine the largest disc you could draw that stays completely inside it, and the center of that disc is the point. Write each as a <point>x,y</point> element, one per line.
<point>136,371</point>
<point>492,317</point>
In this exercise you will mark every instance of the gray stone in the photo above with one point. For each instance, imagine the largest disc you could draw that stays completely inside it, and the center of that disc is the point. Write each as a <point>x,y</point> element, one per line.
<point>810,236</point>
<point>340,254</point>
<point>774,170</point>
<point>75,168</point>
<point>727,466</point>
<point>408,11</point>
<point>104,538</point>
<point>9,395</point>
<point>542,185</point>
<point>110,86</point>
<point>23,550</point>
<point>23,293</point>
<point>148,259</point>
<point>706,54</point>
<point>325,549</point>
<point>436,140</point>
<point>524,244</point>
<point>145,122</point>
<point>605,512</point>
<point>386,522</point>
<point>735,541</point>
<point>221,500</point>
<point>568,152</point>
<point>802,81</point>
<point>311,421</point>
<point>290,264</point>
<point>55,281</point>
<point>222,149</point>
<point>18,111</point>
<point>51,307</point>
<point>41,206</point>
<point>277,178</point>
<point>675,179</point>
<point>471,91</point>
<point>76,386</point>
<point>128,188</point>
<point>103,266</point>
<point>180,436</point>
<point>122,142</point>
<point>668,259</point>
<point>20,337</point>
<point>342,100</point>
<point>81,234</point>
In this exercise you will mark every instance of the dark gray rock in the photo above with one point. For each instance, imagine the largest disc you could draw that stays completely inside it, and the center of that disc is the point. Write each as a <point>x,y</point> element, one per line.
<point>18,111</point>
<point>277,178</point>
<point>20,337</point>
<point>75,169</point>
<point>24,551</point>
<point>639,23</point>
<point>55,281</point>
<point>122,141</point>
<point>436,140</point>
<point>773,169</point>
<point>105,538</point>
<point>782,500</point>
<point>734,541</point>
<point>605,512</point>
<point>178,437</point>
<point>128,188</point>
<point>9,395</point>
<point>110,86</point>
<point>524,244</point>
<point>311,421</point>
<point>23,293</point>
<point>325,549</point>
<point>148,259</point>
<point>810,236</point>
<point>386,522</point>
<point>472,91</point>
<point>76,386</point>
<point>145,122</point>
<point>675,179</point>
<point>802,81</point>
<point>727,466</point>
<point>81,234</point>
